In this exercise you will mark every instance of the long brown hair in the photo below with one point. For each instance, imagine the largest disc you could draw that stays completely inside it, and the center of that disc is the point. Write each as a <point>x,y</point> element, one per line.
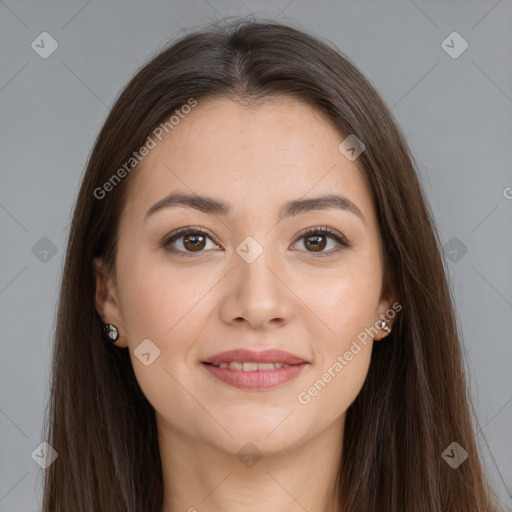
<point>415,400</point>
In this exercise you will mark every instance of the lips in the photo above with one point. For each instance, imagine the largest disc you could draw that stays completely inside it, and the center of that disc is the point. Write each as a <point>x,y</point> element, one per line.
<point>249,356</point>
<point>250,370</point>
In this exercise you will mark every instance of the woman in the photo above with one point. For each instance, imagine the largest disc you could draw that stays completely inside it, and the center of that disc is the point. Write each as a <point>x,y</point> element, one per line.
<point>254,312</point>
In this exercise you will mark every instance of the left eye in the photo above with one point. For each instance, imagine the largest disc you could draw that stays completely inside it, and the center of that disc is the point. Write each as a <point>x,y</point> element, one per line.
<point>194,241</point>
<point>316,239</point>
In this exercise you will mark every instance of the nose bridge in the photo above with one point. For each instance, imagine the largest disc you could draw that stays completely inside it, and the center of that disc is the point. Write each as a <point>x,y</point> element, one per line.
<point>256,286</point>
<point>257,266</point>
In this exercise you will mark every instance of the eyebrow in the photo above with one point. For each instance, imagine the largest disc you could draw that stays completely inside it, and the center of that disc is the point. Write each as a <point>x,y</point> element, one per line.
<point>292,208</point>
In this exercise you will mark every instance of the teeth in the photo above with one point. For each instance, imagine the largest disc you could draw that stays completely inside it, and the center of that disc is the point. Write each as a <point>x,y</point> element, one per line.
<point>250,366</point>
<point>266,366</point>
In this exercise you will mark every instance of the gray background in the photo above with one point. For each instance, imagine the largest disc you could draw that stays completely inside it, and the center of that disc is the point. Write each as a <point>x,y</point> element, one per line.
<point>455,113</point>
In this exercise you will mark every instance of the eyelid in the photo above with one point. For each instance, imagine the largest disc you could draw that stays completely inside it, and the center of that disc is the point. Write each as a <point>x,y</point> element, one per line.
<point>323,230</point>
<point>189,229</point>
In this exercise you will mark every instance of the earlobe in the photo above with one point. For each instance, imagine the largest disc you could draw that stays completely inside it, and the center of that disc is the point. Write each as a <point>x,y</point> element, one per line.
<point>385,326</point>
<point>106,303</point>
<point>389,306</point>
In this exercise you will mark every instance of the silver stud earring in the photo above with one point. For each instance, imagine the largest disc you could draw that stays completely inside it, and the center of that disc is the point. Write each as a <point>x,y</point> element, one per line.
<point>111,333</point>
<point>384,325</point>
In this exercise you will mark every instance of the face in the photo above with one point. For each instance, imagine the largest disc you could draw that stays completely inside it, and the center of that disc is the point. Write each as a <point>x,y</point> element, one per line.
<point>248,275</point>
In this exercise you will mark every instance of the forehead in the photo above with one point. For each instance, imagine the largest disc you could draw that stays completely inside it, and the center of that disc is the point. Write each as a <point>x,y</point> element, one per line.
<point>259,156</point>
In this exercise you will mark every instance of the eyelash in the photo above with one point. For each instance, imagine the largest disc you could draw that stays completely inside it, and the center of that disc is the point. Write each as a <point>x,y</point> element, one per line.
<point>175,235</point>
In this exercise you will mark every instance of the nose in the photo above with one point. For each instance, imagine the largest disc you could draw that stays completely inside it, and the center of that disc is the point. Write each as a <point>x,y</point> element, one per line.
<point>258,294</point>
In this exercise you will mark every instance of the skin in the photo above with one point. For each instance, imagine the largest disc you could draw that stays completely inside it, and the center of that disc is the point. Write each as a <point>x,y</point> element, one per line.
<point>255,158</point>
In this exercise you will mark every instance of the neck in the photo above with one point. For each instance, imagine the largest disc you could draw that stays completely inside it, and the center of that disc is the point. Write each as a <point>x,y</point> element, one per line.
<point>200,477</point>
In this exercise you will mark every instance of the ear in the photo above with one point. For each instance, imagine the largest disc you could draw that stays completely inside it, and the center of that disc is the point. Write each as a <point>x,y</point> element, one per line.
<point>389,306</point>
<point>106,302</point>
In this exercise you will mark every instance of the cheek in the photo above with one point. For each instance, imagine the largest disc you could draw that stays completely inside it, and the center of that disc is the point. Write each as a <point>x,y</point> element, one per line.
<point>345,301</point>
<point>157,298</point>
<point>159,305</point>
<point>334,388</point>
<point>338,377</point>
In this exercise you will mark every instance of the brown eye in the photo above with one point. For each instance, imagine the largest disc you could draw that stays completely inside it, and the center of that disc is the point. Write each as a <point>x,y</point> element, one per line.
<point>194,242</point>
<point>316,243</point>
<point>188,242</point>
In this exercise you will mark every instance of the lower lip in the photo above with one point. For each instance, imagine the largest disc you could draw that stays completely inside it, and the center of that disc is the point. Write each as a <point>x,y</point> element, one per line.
<point>257,379</point>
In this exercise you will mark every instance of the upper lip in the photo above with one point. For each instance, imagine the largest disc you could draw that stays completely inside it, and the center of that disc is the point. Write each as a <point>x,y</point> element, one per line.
<point>265,356</point>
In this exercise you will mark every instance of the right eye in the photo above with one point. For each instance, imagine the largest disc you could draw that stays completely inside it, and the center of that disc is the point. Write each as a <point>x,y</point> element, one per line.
<point>192,240</point>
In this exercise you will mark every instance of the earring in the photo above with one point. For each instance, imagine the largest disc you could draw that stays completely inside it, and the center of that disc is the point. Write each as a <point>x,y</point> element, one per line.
<point>110,332</point>
<point>384,325</point>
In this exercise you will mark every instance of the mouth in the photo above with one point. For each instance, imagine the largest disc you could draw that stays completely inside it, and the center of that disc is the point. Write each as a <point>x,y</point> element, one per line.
<point>250,366</point>
<point>246,369</point>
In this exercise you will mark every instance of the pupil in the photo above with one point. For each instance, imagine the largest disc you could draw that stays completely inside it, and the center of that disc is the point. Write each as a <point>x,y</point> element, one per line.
<point>316,245</point>
<point>195,244</point>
